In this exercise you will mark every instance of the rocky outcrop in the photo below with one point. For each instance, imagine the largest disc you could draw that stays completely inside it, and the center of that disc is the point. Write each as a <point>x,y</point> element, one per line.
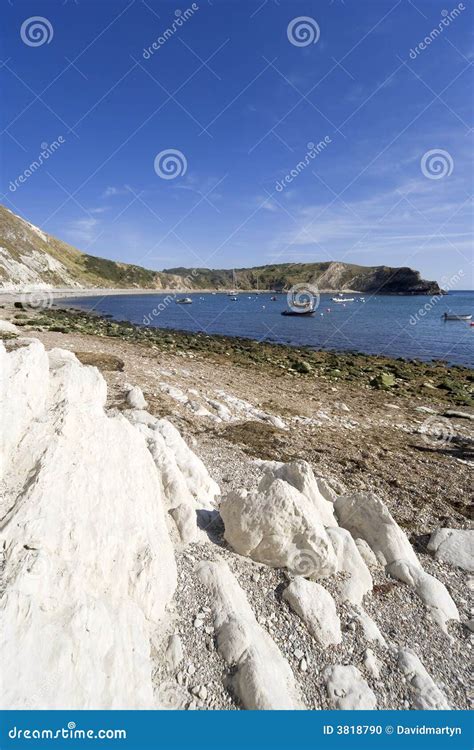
<point>88,564</point>
<point>263,678</point>
<point>119,591</point>
<point>279,526</point>
<point>347,690</point>
<point>368,518</point>
<point>454,546</point>
<point>426,695</point>
<point>316,608</point>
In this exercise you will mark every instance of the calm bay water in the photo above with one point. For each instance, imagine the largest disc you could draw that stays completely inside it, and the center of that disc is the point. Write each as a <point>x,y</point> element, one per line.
<point>392,326</point>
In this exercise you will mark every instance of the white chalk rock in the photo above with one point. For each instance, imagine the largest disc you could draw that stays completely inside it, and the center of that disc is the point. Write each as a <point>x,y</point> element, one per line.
<point>454,546</point>
<point>23,392</point>
<point>136,399</point>
<point>7,327</point>
<point>371,663</point>
<point>347,689</point>
<point>300,475</point>
<point>263,678</point>
<point>366,553</point>
<point>349,560</point>
<point>426,694</point>
<point>281,527</point>
<point>184,517</point>
<point>369,627</point>
<point>432,592</point>
<point>174,652</point>
<point>316,608</point>
<point>200,484</point>
<point>89,566</point>
<point>367,517</point>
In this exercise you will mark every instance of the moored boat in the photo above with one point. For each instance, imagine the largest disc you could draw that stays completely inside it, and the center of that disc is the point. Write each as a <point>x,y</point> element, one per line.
<point>454,316</point>
<point>184,301</point>
<point>299,313</point>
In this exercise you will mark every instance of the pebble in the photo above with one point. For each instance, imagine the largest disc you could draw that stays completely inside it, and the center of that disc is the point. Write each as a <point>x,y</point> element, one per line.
<point>198,623</point>
<point>303,665</point>
<point>191,669</point>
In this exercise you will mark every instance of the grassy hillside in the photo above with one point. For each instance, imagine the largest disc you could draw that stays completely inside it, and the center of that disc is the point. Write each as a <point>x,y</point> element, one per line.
<point>29,256</point>
<point>327,276</point>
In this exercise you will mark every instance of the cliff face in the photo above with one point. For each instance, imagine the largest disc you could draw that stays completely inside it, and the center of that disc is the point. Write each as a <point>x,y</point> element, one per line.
<point>30,257</point>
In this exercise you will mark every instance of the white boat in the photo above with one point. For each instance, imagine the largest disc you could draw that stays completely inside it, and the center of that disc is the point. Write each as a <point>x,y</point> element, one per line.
<point>456,316</point>
<point>342,299</point>
<point>233,297</point>
<point>184,301</point>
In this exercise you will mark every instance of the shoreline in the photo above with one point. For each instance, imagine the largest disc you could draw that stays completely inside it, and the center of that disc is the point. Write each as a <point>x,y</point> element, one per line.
<point>434,379</point>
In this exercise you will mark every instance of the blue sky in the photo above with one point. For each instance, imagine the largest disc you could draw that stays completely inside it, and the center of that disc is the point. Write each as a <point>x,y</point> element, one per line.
<point>231,91</point>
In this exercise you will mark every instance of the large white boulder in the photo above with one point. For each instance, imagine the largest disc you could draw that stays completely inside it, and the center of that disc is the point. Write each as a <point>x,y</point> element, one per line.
<point>300,475</point>
<point>88,564</point>
<point>263,678</point>
<point>317,609</point>
<point>454,546</point>
<point>347,689</point>
<point>426,695</point>
<point>367,517</point>
<point>279,526</point>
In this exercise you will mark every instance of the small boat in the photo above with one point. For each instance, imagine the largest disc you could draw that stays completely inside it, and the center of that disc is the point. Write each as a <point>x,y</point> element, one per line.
<point>342,299</point>
<point>184,301</point>
<point>233,297</point>
<point>273,299</point>
<point>453,316</point>
<point>300,313</point>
